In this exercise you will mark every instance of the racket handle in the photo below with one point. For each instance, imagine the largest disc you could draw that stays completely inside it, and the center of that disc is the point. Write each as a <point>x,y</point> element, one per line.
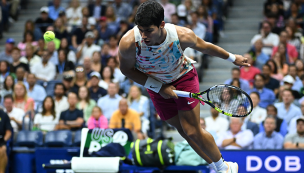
<point>182,93</point>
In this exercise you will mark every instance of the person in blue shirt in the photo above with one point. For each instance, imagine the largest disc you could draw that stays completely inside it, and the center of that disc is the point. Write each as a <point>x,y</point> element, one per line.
<point>95,90</point>
<point>286,109</point>
<point>55,9</point>
<point>235,74</point>
<point>281,125</point>
<point>269,139</point>
<point>37,92</point>
<point>267,96</point>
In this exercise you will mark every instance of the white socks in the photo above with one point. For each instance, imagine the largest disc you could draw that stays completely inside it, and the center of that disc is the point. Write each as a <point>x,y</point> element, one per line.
<point>212,165</point>
<point>220,165</point>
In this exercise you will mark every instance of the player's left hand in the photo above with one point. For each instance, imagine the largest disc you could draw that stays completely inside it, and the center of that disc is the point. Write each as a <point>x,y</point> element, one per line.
<point>241,61</point>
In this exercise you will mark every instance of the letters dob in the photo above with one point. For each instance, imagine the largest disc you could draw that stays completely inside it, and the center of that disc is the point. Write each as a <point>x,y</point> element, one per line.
<point>292,163</point>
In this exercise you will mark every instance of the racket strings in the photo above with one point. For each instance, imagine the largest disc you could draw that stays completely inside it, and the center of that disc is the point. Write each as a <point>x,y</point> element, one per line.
<point>230,100</point>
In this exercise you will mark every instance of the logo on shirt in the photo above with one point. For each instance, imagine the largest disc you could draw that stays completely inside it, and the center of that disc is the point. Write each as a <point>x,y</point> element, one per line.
<point>189,103</point>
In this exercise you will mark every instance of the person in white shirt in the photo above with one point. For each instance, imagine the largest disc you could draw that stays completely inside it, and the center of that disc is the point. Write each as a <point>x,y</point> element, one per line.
<point>61,101</point>
<point>74,14</point>
<point>87,48</point>
<point>258,114</point>
<point>269,39</point>
<point>216,123</point>
<point>44,70</point>
<point>110,102</point>
<point>292,128</point>
<point>15,114</point>
<point>47,119</point>
<point>235,138</point>
<point>198,28</point>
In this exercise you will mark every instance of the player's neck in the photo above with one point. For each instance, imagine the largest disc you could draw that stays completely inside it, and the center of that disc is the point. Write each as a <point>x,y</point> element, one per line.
<point>162,37</point>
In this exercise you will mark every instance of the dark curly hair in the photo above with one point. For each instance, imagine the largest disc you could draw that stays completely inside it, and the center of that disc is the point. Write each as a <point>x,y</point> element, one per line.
<point>149,13</point>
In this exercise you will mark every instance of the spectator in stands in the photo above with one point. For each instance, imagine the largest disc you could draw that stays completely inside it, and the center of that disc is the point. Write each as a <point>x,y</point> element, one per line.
<point>292,71</point>
<point>122,9</point>
<point>268,4</point>
<point>128,118</point>
<point>68,81</point>
<point>207,20</point>
<point>247,124</point>
<point>107,76</point>
<point>53,53</point>
<point>300,67</point>
<point>44,70</point>
<point>16,61</point>
<point>20,75</point>
<point>8,86</point>
<point>248,73</point>
<point>286,109</point>
<point>4,72</point>
<point>260,58</point>
<point>71,56</point>
<point>97,119</point>
<point>5,135</point>
<point>235,138</point>
<point>138,102</point>
<point>96,9</point>
<point>87,48</point>
<point>87,66</point>
<point>64,64</point>
<point>30,27</point>
<point>78,35</point>
<point>60,29</point>
<point>235,74</point>
<point>184,9</point>
<point>267,96</point>
<point>113,43</point>
<point>124,27</point>
<point>6,54</point>
<point>270,82</point>
<point>96,62</point>
<point>47,119</point>
<point>274,70</point>
<point>28,38</point>
<point>71,119</point>
<point>269,139</point>
<point>80,79</point>
<point>295,140</point>
<point>44,20</point>
<point>131,18</point>
<point>21,98</point>
<point>294,12</point>
<point>198,28</point>
<point>109,103</point>
<point>15,114</point>
<point>114,64</point>
<point>105,53</point>
<point>281,125</point>
<point>269,39</point>
<point>95,90</point>
<point>175,20</point>
<point>61,101</point>
<point>41,47</point>
<point>74,13</point>
<point>55,9</point>
<point>280,60</point>
<point>169,9</point>
<point>104,30</point>
<point>85,103</point>
<point>36,92</point>
<point>291,50</point>
<point>292,38</point>
<point>126,85</point>
<point>30,58</point>
<point>258,114</point>
<point>216,123</point>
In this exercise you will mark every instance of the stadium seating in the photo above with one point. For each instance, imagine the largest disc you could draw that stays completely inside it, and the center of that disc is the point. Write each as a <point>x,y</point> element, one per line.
<point>29,139</point>
<point>61,138</point>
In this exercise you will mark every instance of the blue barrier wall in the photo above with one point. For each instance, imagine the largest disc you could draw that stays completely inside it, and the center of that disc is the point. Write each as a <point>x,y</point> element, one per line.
<point>250,161</point>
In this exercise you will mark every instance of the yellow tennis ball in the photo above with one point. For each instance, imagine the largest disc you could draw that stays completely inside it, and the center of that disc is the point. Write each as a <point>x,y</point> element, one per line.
<point>49,36</point>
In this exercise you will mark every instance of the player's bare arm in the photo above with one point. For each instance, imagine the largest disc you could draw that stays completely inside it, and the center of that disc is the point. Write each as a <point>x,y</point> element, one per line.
<point>127,58</point>
<point>189,39</point>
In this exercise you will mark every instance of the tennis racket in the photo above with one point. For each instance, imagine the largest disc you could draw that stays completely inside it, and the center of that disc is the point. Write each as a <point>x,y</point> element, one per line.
<point>226,99</point>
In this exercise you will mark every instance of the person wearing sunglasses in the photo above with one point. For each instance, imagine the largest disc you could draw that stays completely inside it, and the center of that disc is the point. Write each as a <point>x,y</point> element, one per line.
<point>80,79</point>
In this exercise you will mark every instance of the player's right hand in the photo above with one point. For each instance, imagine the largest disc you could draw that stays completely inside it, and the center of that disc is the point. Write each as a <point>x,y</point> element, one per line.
<point>166,92</point>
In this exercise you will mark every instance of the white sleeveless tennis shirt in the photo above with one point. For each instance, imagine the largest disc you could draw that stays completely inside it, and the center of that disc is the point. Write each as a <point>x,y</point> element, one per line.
<point>165,62</point>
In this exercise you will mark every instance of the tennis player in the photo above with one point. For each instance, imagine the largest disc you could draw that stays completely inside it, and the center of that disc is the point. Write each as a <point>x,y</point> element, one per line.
<point>151,54</point>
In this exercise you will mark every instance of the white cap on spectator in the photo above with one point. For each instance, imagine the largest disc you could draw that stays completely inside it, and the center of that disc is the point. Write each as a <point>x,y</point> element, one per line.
<point>96,74</point>
<point>44,9</point>
<point>181,11</point>
<point>92,21</point>
<point>89,35</point>
<point>288,79</point>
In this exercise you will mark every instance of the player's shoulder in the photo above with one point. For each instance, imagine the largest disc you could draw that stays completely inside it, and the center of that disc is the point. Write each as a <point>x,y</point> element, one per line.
<point>127,42</point>
<point>183,32</point>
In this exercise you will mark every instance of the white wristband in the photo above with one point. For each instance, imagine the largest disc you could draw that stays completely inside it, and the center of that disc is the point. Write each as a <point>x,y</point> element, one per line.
<point>231,57</point>
<point>153,85</point>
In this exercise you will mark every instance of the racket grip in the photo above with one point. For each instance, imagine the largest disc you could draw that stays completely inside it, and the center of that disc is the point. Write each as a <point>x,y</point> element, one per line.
<point>182,93</point>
